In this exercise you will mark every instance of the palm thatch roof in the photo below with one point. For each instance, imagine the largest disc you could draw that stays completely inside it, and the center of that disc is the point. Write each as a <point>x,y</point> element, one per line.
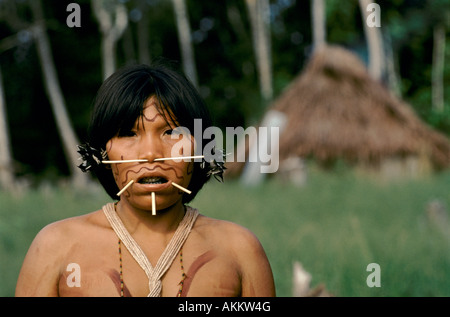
<point>336,111</point>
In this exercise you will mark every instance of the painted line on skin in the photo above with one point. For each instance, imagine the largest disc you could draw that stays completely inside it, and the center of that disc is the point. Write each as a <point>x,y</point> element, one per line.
<point>181,178</point>
<point>115,277</point>
<point>198,263</point>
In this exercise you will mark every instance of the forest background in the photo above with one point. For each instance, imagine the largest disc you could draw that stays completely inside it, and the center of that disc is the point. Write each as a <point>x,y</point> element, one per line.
<point>223,55</point>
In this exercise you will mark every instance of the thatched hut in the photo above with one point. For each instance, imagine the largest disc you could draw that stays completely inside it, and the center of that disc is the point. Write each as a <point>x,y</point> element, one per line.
<point>336,111</point>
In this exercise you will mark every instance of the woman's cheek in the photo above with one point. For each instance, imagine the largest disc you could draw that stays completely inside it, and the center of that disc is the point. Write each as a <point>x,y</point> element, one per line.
<point>116,174</point>
<point>189,168</point>
<point>115,148</point>
<point>180,144</point>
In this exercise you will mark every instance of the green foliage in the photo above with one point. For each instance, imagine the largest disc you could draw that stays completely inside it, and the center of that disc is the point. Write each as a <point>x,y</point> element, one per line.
<point>344,22</point>
<point>335,226</point>
<point>339,223</point>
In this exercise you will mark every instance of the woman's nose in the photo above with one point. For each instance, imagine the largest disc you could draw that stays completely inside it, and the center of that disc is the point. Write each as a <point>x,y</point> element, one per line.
<point>150,148</point>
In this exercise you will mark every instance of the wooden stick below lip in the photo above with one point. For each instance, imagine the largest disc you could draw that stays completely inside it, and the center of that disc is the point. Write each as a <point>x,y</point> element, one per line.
<point>153,204</point>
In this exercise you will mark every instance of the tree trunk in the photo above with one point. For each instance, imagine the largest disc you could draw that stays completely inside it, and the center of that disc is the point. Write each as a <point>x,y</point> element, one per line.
<point>318,23</point>
<point>374,43</point>
<point>6,167</point>
<point>391,70</point>
<point>184,37</point>
<point>438,68</point>
<point>128,47</point>
<point>113,20</point>
<point>143,29</point>
<point>108,47</point>
<point>258,11</point>
<point>235,19</point>
<point>57,102</point>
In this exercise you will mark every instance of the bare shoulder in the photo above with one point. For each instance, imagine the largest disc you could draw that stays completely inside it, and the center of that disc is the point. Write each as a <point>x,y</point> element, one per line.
<point>42,264</point>
<point>228,233</point>
<point>67,229</point>
<point>241,245</point>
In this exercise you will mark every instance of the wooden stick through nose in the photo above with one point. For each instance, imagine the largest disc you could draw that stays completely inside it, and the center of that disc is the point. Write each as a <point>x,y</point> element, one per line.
<point>124,161</point>
<point>178,158</point>
<point>155,160</point>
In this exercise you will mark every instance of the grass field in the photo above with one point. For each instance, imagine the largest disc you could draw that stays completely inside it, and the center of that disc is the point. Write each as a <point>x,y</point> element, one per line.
<point>335,226</point>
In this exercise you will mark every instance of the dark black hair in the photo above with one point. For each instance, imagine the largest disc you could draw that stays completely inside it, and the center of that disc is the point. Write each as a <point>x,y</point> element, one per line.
<point>120,102</point>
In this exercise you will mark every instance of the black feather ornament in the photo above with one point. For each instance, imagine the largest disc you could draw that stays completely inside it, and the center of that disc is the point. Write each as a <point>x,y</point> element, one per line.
<point>91,157</point>
<point>215,168</point>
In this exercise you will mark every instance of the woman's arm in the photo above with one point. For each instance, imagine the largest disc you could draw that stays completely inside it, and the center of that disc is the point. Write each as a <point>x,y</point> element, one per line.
<point>40,270</point>
<point>257,276</point>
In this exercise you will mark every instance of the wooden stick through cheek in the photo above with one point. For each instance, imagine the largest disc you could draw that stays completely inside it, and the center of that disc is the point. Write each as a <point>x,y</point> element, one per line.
<point>181,187</point>
<point>125,188</point>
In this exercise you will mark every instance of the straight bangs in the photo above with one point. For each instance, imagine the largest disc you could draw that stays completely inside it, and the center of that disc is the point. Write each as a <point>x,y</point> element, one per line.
<point>119,103</point>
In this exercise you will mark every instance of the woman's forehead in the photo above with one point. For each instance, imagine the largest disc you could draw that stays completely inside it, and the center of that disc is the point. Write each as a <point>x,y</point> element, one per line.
<point>152,103</point>
<point>153,110</point>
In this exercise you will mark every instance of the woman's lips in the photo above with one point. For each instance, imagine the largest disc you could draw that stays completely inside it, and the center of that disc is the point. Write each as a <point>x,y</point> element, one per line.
<point>148,179</point>
<point>152,187</point>
<point>152,180</point>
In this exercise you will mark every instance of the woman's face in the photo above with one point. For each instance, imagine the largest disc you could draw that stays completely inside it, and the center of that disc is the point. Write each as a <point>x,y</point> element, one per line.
<point>151,137</point>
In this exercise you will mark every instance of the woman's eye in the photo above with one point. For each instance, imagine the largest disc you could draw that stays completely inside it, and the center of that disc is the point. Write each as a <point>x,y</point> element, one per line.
<point>126,134</point>
<point>174,131</point>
